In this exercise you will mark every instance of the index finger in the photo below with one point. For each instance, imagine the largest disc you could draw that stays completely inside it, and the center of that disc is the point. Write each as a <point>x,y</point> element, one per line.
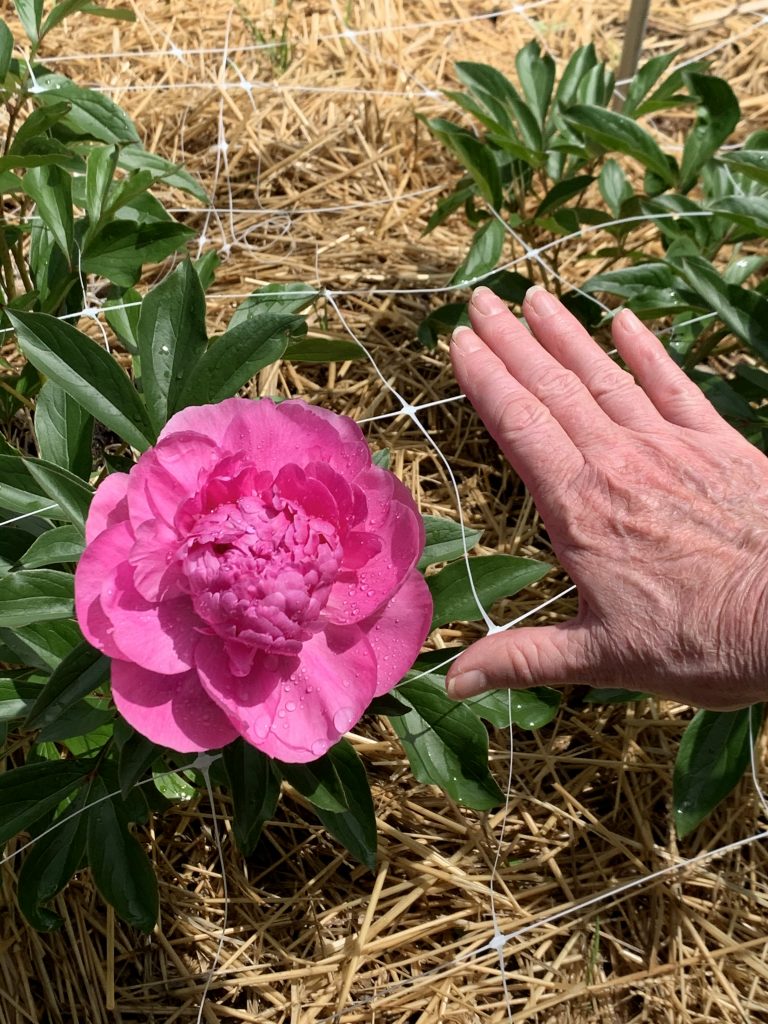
<point>535,444</point>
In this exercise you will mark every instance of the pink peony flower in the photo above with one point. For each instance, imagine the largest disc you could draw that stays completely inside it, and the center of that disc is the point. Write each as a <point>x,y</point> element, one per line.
<point>253,575</point>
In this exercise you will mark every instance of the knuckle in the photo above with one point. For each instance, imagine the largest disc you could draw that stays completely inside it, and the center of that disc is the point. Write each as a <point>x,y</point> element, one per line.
<point>555,382</point>
<point>611,382</point>
<point>516,414</point>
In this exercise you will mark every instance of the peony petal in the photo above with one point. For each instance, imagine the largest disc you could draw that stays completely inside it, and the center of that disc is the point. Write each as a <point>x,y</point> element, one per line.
<point>273,435</point>
<point>393,518</point>
<point>243,698</point>
<point>109,549</point>
<point>108,506</point>
<point>173,710</point>
<point>297,712</point>
<point>161,637</point>
<point>167,474</point>
<point>210,421</point>
<point>397,632</point>
<point>156,573</point>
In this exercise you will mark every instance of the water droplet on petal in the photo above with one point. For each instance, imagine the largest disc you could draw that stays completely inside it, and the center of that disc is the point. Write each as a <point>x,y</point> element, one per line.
<point>319,747</point>
<point>290,706</point>
<point>343,719</point>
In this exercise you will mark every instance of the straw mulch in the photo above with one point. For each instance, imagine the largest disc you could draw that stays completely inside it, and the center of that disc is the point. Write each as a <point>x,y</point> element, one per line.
<point>323,157</point>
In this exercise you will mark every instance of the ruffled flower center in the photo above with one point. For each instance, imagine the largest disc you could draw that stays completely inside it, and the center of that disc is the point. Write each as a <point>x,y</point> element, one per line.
<point>260,560</point>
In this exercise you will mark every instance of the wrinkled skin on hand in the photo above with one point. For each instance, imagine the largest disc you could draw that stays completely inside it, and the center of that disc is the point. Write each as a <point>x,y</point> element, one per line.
<point>655,506</point>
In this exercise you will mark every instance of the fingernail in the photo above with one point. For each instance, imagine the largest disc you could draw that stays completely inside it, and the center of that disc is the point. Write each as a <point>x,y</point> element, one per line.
<point>485,301</point>
<point>629,322</point>
<point>466,339</point>
<point>467,684</point>
<point>541,302</point>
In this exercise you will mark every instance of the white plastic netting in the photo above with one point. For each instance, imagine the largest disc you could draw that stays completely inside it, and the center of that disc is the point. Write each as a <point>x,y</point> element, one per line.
<point>305,144</point>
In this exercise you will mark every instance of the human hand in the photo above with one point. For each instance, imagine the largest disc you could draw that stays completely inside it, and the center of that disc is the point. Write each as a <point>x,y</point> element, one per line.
<point>655,506</point>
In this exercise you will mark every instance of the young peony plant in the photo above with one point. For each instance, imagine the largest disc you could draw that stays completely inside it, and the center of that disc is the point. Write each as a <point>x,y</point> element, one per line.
<point>253,575</point>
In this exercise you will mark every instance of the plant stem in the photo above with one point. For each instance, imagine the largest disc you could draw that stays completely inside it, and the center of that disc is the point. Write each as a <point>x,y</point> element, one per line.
<point>16,394</point>
<point>5,256</point>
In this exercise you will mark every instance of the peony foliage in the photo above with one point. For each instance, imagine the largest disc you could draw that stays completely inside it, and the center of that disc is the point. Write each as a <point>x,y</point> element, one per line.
<point>205,586</point>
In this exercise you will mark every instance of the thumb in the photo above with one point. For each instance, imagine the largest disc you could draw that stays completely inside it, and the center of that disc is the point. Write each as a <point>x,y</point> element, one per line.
<point>531,656</point>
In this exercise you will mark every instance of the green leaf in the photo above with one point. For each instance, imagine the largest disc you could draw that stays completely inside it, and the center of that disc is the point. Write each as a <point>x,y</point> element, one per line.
<point>716,116</point>
<point>82,671</point>
<point>92,116</point>
<point>84,728</point>
<point>71,494</point>
<point>173,786</point>
<point>6,49</point>
<point>529,709</point>
<point>42,644</point>
<point>63,430</point>
<point>473,155</point>
<point>579,64</point>
<point>121,248</point>
<point>35,595</point>
<point>62,544</point>
<point>495,576</point>
<point>137,755</point>
<point>714,751</point>
<point>752,163</point>
<point>19,492</point>
<point>442,321</point>
<point>115,13</point>
<point>319,782</point>
<point>611,695</point>
<point>120,868</point>
<point>50,864</point>
<point>231,360</point>
<point>29,792</point>
<point>171,336</point>
<point>14,543</point>
<point>446,744</point>
<point>562,192</point>
<point>255,790</point>
<point>136,158</point>
<point>743,312</point>
<point>51,189</point>
<point>668,95</point>
<point>205,268</point>
<point>282,298</point>
<point>508,285</point>
<point>537,76</point>
<point>66,7</point>
<point>86,372</point>
<point>354,828</point>
<point>100,170</point>
<point>444,540</point>
<point>16,698</point>
<point>751,212</point>
<point>741,267</point>
<point>504,103</point>
<point>381,458</point>
<point>445,207</point>
<point>122,314</point>
<point>596,87</point>
<point>30,13</point>
<point>633,280</point>
<point>31,136</point>
<point>616,132</point>
<point>645,79</point>
<point>614,187</point>
<point>484,253</point>
<point>323,350</point>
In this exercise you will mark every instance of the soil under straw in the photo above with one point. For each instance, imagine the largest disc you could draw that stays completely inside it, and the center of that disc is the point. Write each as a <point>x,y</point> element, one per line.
<point>309,935</point>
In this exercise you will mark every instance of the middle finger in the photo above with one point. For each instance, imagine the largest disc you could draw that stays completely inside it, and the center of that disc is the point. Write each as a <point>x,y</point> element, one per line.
<point>555,385</point>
